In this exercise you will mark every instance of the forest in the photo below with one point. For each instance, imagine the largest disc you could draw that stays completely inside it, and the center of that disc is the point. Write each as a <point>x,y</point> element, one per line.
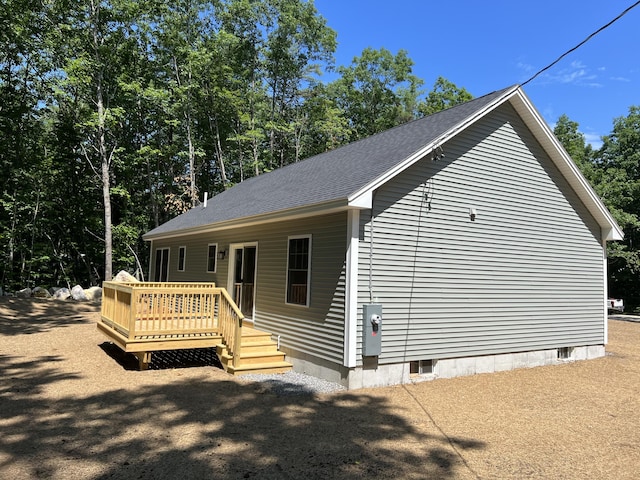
<point>117,115</point>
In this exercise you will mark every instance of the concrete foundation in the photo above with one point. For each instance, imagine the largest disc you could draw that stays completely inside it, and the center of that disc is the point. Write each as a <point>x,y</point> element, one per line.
<point>374,374</point>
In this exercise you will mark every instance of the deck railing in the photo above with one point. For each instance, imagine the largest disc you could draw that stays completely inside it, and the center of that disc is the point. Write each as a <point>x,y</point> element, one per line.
<point>230,322</point>
<point>161,309</point>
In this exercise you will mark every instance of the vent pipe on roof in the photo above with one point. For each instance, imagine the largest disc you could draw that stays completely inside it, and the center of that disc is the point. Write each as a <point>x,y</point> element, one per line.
<point>206,196</point>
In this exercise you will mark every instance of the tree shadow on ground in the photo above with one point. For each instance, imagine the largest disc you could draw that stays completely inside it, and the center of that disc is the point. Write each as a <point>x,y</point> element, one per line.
<point>25,316</point>
<point>207,428</point>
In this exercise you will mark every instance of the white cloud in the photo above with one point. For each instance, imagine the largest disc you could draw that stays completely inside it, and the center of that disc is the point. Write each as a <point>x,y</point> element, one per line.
<point>577,73</point>
<point>620,79</point>
<point>525,67</point>
<point>593,139</point>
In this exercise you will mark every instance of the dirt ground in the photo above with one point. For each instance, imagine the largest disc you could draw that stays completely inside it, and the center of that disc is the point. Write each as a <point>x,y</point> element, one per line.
<point>73,407</point>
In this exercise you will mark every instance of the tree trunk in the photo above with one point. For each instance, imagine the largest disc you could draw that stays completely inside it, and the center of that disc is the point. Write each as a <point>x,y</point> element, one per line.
<point>106,189</point>
<point>213,127</point>
<point>105,157</point>
<point>193,191</point>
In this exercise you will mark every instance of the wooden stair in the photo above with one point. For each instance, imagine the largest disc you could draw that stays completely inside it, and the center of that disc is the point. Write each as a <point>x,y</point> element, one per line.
<point>259,354</point>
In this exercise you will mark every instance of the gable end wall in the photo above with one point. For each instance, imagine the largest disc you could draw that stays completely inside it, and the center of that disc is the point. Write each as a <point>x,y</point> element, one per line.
<point>526,275</point>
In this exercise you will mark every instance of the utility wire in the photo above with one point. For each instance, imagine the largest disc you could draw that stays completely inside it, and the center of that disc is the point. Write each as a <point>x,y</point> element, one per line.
<point>583,42</point>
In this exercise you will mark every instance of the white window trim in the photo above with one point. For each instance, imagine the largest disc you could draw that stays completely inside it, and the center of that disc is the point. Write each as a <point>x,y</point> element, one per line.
<point>184,259</point>
<point>215,266</point>
<point>286,285</point>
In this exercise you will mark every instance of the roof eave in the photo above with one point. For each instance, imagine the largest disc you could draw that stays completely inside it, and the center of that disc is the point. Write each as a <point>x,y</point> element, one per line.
<point>322,208</point>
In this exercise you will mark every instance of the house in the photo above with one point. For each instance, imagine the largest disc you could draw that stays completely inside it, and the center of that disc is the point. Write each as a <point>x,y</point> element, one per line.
<point>471,233</point>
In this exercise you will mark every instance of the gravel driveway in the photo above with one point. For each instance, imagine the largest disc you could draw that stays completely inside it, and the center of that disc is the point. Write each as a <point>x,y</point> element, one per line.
<point>73,407</point>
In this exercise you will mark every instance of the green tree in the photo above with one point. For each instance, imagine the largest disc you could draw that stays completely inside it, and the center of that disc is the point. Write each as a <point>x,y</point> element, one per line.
<point>444,94</point>
<point>574,142</point>
<point>377,91</point>
<point>95,50</point>
<point>618,162</point>
<point>298,40</point>
<point>24,63</point>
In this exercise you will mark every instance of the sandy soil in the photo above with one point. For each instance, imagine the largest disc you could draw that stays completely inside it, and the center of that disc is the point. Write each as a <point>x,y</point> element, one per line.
<point>73,407</point>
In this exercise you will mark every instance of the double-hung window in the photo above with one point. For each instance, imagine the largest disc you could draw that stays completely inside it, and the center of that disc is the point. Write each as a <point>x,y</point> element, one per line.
<point>182,255</point>
<point>299,270</point>
<point>212,253</point>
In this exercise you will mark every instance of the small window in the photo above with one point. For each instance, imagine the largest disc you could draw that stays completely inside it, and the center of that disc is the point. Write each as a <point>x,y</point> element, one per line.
<point>182,253</point>
<point>298,270</point>
<point>565,353</point>
<point>211,257</point>
<point>421,367</point>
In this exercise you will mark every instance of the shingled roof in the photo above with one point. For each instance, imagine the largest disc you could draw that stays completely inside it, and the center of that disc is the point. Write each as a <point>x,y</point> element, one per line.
<point>334,179</point>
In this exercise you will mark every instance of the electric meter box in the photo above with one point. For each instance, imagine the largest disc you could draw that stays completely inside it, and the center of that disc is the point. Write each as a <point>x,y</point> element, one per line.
<point>372,330</point>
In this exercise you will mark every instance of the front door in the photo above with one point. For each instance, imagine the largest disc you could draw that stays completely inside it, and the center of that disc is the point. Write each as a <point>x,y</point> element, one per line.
<point>244,277</point>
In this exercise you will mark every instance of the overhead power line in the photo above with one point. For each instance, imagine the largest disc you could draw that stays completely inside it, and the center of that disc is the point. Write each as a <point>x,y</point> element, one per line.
<point>604,27</point>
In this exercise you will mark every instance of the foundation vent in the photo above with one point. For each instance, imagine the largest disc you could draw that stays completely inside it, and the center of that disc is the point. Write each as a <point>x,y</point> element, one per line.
<point>565,353</point>
<point>421,367</point>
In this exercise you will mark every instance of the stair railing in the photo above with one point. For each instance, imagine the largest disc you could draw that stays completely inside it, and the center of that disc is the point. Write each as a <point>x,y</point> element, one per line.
<point>230,323</point>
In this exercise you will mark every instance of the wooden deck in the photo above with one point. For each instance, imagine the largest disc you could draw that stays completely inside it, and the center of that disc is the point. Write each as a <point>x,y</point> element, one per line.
<point>144,317</point>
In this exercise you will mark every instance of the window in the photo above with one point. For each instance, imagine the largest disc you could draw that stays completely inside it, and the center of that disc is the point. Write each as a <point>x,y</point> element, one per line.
<point>422,367</point>
<point>298,270</point>
<point>162,265</point>
<point>211,257</point>
<point>182,253</point>
<point>565,353</point>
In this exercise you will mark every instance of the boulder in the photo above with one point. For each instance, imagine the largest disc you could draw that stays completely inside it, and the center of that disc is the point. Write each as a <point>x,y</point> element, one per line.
<point>24,293</point>
<point>61,293</point>
<point>125,277</point>
<point>40,292</point>
<point>77,293</point>
<point>93,293</point>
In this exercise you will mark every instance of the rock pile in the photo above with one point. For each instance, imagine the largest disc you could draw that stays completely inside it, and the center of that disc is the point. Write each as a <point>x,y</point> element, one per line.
<point>77,293</point>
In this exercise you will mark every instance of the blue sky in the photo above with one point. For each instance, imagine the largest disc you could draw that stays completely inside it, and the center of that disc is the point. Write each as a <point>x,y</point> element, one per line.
<point>486,45</point>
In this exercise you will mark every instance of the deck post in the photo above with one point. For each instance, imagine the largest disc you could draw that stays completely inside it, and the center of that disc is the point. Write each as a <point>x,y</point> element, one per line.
<point>144,360</point>
<point>133,306</point>
<point>238,343</point>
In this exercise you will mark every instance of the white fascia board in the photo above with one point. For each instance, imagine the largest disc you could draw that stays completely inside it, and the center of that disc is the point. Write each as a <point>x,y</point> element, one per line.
<point>570,171</point>
<point>365,200</point>
<point>367,190</point>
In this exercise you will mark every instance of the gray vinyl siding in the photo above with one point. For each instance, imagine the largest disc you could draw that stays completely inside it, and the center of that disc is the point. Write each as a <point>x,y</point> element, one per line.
<point>527,274</point>
<point>317,329</point>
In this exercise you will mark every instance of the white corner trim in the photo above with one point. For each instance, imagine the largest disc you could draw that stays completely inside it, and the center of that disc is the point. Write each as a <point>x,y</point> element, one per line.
<point>605,289</point>
<point>351,287</point>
